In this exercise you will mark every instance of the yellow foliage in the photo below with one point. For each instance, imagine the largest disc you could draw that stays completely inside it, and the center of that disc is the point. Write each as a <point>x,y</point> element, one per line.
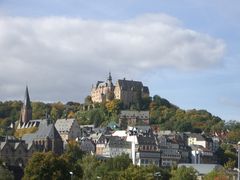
<point>71,114</point>
<point>20,132</point>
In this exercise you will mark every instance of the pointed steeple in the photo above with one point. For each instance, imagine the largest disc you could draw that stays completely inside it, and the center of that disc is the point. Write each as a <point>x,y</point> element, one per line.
<point>109,77</point>
<point>27,101</point>
<point>26,111</point>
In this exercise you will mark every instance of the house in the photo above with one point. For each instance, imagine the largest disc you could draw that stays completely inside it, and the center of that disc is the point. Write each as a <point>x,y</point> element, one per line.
<point>68,129</point>
<point>87,145</point>
<point>201,155</point>
<point>46,138</point>
<point>118,146</point>
<point>133,118</point>
<point>173,149</point>
<point>147,151</point>
<point>101,145</point>
<point>86,130</point>
<point>197,139</point>
<point>15,152</point>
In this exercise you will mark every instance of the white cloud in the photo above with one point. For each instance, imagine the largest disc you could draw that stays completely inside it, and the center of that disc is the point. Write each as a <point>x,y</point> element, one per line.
<point>61,57</point>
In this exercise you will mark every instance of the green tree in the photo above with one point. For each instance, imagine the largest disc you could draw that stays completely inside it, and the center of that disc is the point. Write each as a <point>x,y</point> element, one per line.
<point>142,173</point>
<point>230,164</point>
<point>39,110</point>
<point>113,106</point>
<point>96,117</point>
<point>88,100</point>
<point>47,166</point>
<point>184,173</point>
<point>217,175</point>
<point>5,174</point>
<point>73,156</point>
<point>89,164</point>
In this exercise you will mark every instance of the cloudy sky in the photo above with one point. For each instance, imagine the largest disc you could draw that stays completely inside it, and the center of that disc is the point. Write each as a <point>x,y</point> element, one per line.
<point>186,51</point>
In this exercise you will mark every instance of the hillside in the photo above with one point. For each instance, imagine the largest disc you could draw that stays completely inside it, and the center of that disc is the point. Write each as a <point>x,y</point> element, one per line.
<point>163,113</point>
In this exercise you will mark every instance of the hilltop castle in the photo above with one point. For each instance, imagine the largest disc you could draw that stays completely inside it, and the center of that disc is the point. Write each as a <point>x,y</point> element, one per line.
<point>128,91</point>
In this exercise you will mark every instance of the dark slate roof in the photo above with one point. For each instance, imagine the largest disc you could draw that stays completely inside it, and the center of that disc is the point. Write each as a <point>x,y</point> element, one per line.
<point>48,131</point>
<point>28,138</point>
<point>42,133</point>
<point>13,144</point>
<point>99,82</point>
<point>145,128</point>
<point>146,140</point>
<point>64,124</point>
<point>102,139</point>
<point>117,142</point>
<point>130,85</point>
<point>9,138</point>
<point>175,139</point>
<point>199,137</point>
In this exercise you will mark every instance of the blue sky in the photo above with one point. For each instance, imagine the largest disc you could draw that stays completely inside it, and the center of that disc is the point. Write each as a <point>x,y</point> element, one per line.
<point>187,52</point>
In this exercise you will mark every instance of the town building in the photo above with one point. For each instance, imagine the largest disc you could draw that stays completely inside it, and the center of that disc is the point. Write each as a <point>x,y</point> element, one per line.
<point>147,151</point>
<point>128,91</point>
<point>197,139</point>
<point>118,146</point>
<point>173,149</point>
<point>133,118</point>
<point>15,152</point>
<point>87,145</point>
<point>68,129</point>
<point>46,138</point>
<point>201,155</point>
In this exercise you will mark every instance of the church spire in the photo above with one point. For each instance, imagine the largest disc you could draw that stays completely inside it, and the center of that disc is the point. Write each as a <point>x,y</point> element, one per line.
<point>26,111</point>
<point>27,101</point>
<point>109,77</point>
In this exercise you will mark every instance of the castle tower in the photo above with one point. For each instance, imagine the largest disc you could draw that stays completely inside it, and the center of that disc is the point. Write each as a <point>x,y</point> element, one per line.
<point>109,82</point>
<point>26,111</point>
<point>110,88</point>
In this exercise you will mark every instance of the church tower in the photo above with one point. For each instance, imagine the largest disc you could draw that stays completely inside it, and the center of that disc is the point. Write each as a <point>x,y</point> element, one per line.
<point>26,111</point>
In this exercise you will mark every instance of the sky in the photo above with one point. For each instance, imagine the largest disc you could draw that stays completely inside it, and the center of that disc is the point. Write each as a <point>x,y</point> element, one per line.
<point>185,51</point>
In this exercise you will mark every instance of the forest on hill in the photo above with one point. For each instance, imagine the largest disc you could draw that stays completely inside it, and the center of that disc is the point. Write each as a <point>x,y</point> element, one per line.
<point>163,114</point>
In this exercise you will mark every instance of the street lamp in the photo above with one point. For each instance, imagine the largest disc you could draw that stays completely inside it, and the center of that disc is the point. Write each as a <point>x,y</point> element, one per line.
<point>157,174</point>
<point>71,174</point>
<point>238,149</point>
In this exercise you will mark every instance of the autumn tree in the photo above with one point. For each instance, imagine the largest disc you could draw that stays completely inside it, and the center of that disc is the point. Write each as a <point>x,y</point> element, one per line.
<point>217,175</point>
<point>89,164</point>
<point>5,174</point>
<point>184,173</point>
<point>113,106</point>
<point>47,166</point>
